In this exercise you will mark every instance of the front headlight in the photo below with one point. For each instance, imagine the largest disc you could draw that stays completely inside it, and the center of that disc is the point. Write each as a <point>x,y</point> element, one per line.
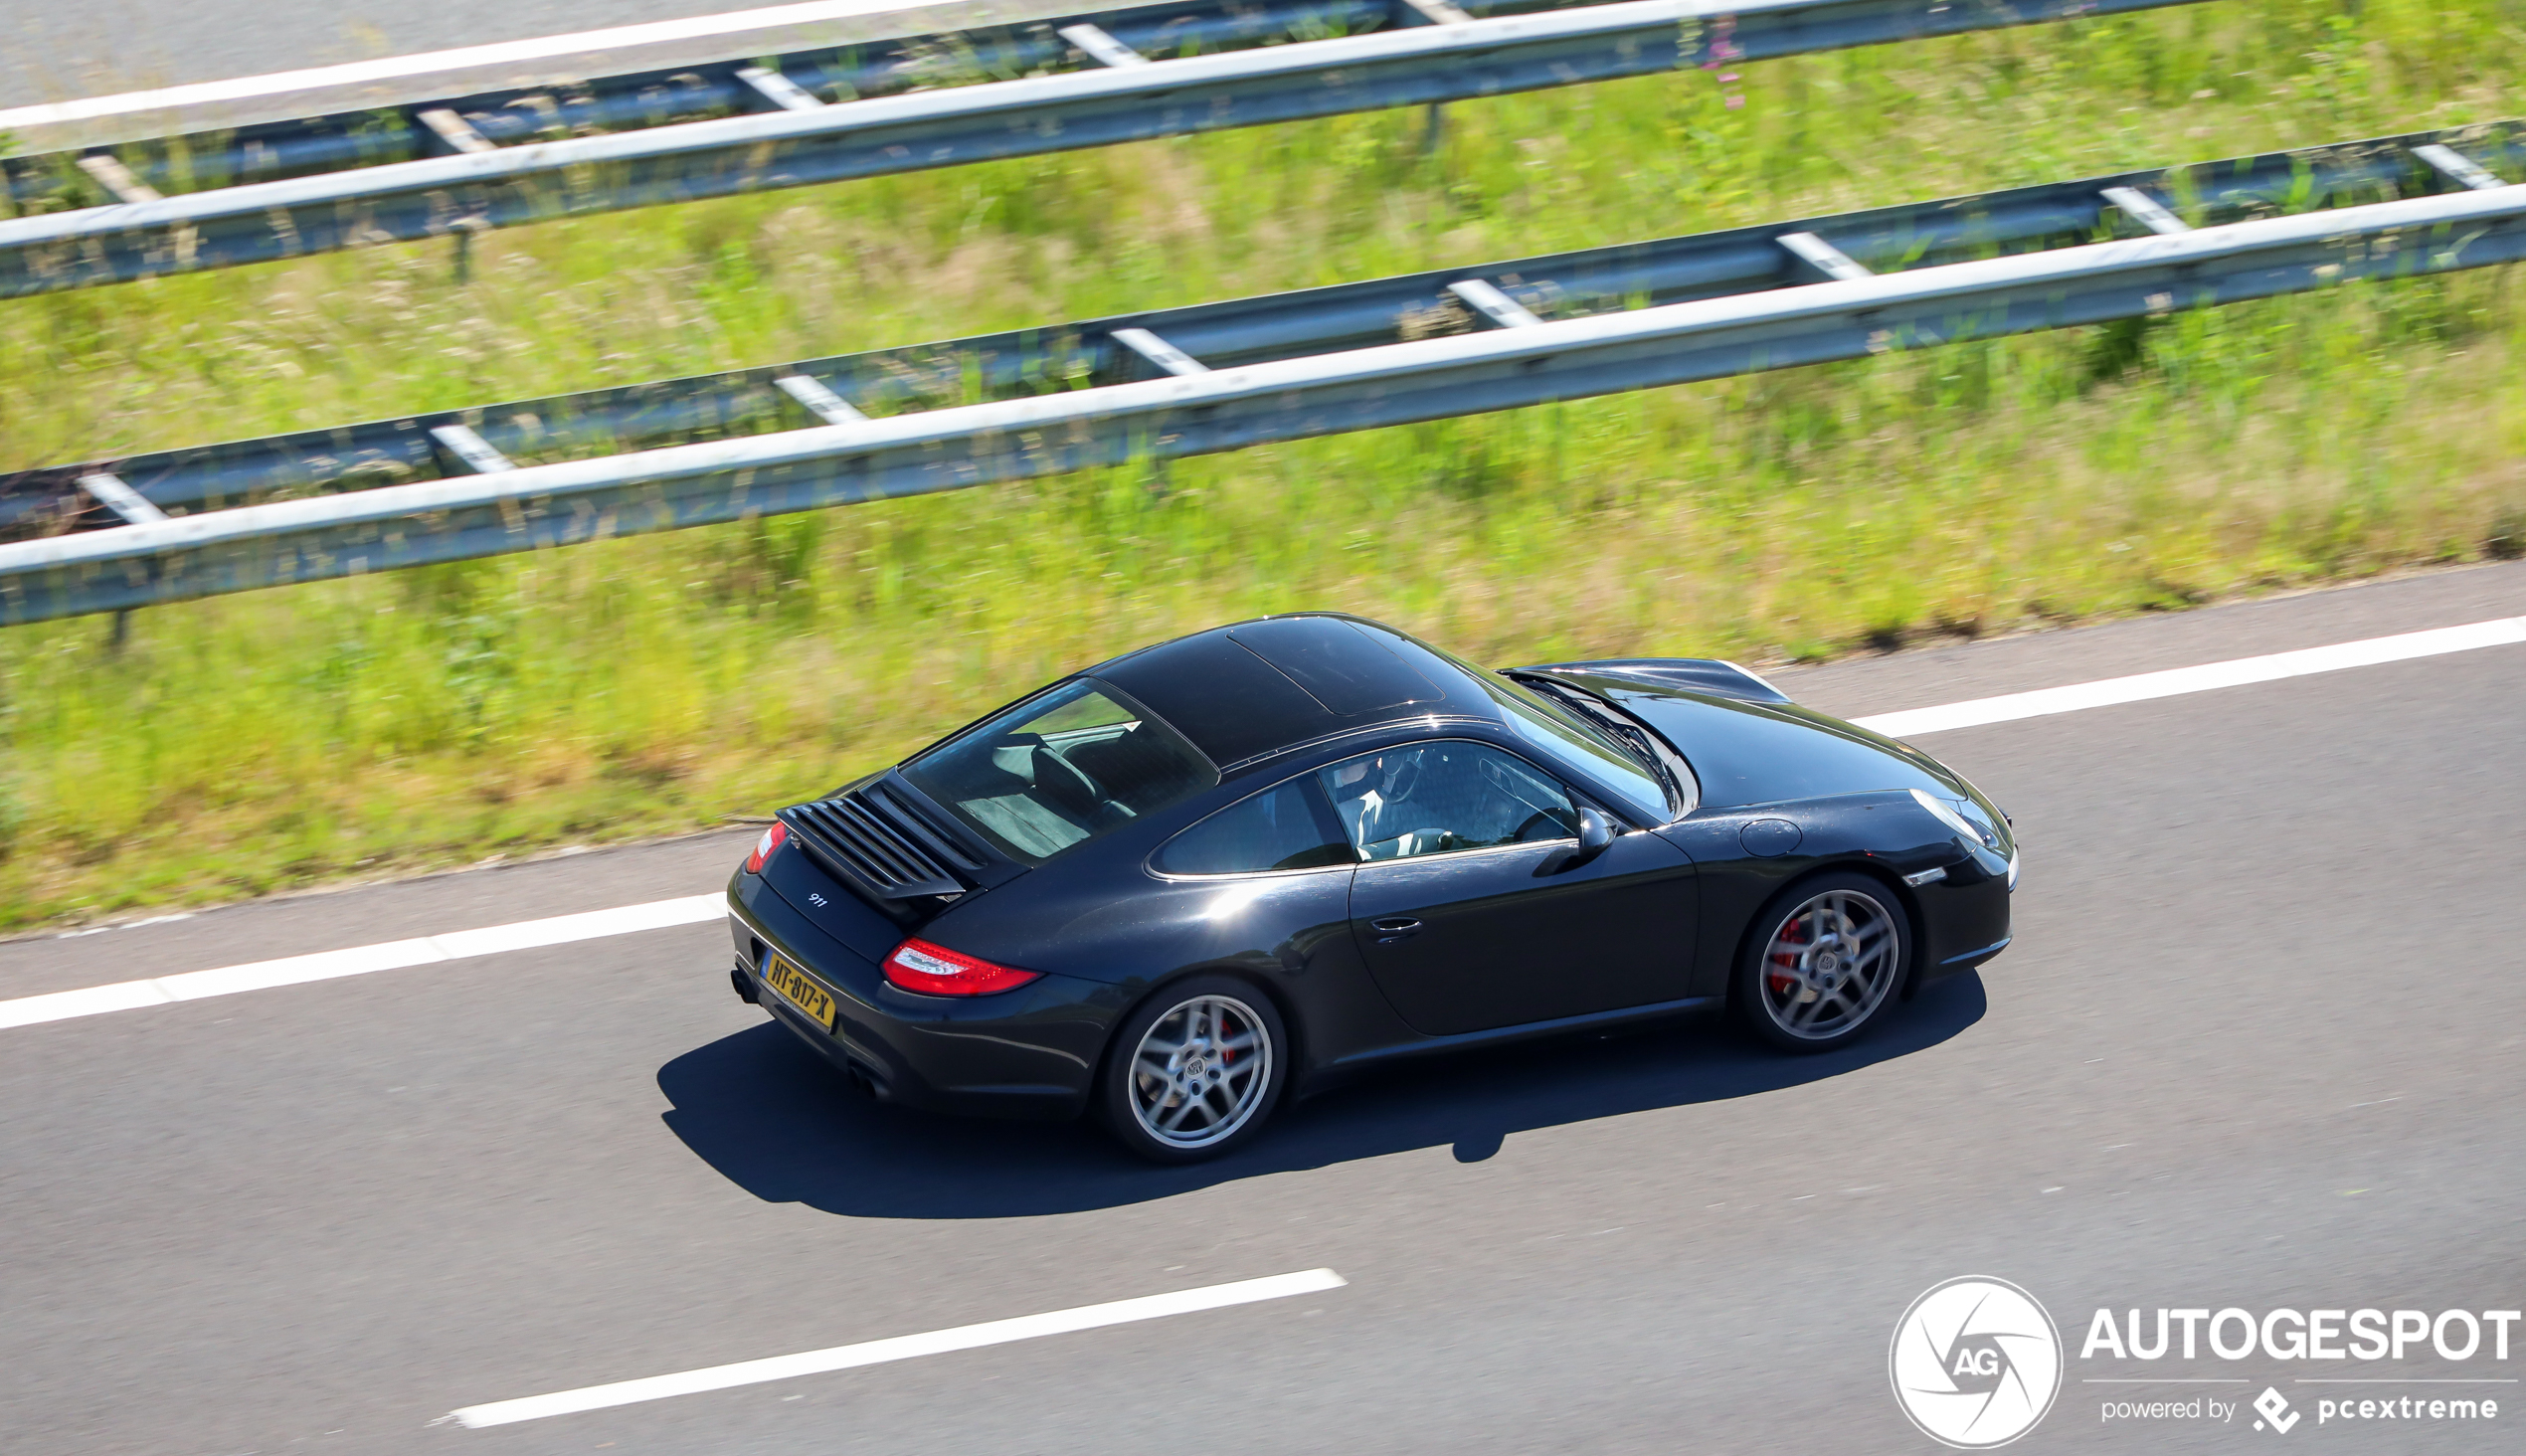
<point>1954,817</point>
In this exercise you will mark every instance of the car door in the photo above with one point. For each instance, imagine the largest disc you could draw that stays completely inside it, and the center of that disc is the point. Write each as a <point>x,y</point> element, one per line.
<point>1473,908</point>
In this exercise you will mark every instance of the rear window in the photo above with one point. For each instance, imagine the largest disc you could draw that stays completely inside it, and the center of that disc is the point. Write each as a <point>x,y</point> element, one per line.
<point>1061,768</point>
<point>1287,828</point>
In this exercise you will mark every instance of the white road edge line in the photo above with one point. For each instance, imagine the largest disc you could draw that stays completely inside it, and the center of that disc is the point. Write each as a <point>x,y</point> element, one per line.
<point>2236,672</point>
<point>125,995</point>
<point>695,909</point>
<point>500,53</point>
<point>901,1347</point>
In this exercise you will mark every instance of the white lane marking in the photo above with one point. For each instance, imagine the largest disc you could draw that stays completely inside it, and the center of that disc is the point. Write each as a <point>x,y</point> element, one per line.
<point>694,909</point>
<point>901,1347</point>
<point>426,950</point>
<point>502,52</point>
<point>87,930</point>
<point>2236,672</point>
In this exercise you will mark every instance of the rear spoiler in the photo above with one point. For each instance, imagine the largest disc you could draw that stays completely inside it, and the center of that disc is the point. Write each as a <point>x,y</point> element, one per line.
<point>1692,675</point>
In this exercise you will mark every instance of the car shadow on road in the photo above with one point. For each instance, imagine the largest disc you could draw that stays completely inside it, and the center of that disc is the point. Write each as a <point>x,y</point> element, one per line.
<point>782,1124</point>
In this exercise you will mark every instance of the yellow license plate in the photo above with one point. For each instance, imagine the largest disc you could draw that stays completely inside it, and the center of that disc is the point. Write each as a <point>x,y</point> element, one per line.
<point>798,988</point>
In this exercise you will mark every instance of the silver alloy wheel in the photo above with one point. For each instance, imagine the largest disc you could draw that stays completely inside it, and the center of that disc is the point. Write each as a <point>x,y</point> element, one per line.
<point>1200,1071</point>
<point>1830,963</point>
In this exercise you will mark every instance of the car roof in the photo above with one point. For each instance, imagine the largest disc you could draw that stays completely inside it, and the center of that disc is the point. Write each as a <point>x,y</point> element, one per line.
<point>1252,689</point>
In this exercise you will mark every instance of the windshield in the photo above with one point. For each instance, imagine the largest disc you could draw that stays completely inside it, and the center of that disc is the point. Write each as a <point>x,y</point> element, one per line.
<point>1654,751</point>
<point>1571,742</point>
<point>1552,731</point>
<point>1061,768</point>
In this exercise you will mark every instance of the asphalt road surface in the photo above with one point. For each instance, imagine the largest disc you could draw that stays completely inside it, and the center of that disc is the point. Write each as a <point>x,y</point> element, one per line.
<point>2257,1045</point>
<point>55,50</point>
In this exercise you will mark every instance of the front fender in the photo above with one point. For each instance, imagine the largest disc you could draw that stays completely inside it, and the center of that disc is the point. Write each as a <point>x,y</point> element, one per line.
<point>1746,860</point>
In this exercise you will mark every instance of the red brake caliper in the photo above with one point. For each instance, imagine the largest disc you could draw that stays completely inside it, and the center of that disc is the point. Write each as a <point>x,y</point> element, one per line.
<point>1785,980</point>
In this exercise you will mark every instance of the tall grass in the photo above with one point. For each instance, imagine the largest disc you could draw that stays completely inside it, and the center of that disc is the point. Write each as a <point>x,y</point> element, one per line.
<point>241,744</point>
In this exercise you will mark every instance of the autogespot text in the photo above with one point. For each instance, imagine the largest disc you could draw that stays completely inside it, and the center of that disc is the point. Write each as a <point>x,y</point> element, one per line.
<point>2446,1339</point>
<point>2292,1335</point>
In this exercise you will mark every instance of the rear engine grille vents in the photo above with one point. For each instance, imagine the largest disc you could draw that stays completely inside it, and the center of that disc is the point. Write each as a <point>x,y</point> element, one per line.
<point>876,839</point>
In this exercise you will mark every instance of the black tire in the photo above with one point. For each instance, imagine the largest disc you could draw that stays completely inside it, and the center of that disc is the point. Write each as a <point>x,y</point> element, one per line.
<point>1138,1095</point>
<point>1798,984</point>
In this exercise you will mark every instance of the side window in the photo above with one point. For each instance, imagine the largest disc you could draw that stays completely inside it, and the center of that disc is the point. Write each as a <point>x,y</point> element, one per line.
<point>1284,827</point>
<point>1438,797</point>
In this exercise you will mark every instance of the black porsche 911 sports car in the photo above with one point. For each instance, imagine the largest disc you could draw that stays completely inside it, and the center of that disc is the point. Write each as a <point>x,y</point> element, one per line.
<point>1207,876</point>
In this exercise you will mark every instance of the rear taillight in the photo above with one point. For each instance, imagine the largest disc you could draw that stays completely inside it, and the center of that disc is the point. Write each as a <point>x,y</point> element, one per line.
<point>773,839</point>
<point>932,969</point>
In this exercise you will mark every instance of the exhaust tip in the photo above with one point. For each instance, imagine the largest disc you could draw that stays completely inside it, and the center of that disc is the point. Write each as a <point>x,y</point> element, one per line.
<point>738,978</point>
<point>870,1083</point>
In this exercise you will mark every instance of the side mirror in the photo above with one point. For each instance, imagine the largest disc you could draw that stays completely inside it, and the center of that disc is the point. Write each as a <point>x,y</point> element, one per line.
<point>1596,832</point>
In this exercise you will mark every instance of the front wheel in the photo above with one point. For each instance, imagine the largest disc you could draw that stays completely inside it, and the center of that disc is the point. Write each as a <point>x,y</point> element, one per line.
<point>1823,962</point>
<point>1195,1070</point>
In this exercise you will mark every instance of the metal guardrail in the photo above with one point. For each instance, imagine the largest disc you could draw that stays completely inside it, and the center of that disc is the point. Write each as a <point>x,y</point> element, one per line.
<point>484,162</point>
<point>51,499</point>
<point>1198,411</point>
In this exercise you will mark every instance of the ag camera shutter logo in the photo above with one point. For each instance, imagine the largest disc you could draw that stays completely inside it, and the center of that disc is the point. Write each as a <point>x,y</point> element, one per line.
<point>1976,1362</point>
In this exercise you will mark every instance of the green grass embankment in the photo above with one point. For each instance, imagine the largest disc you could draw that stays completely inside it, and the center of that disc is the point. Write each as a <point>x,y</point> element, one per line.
<point>278,738</point>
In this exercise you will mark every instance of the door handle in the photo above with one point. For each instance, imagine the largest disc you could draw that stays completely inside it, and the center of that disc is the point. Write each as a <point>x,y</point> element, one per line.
<point>1392,928</point>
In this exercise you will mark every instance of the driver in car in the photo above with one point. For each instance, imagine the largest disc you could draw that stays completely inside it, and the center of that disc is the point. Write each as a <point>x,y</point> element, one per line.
<point>1370,796</point>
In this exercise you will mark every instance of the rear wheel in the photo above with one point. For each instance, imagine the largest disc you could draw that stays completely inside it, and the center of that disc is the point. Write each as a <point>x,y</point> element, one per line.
<point>1195,1070</point>
<point>1823,962</point>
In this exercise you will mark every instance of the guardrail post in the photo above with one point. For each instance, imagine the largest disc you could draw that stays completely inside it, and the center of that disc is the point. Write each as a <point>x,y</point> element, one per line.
<point>1493,304</point>
<point>1160,352</point>
<point>2456,167</point>
<point>109,173</point>
<point>779,89</point>
<point>1834,264</point>
<point>2143,208</point>
<point>1175,362</point>
<point>1436,12</point>
<point>135,509</point>
<point>1093,43</point>
<point>464,229</point>
<point>819,401</point>
<point>471,449</point>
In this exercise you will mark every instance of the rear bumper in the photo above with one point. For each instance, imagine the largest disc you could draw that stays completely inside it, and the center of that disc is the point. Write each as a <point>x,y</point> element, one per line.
<point>1028,1053</point>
